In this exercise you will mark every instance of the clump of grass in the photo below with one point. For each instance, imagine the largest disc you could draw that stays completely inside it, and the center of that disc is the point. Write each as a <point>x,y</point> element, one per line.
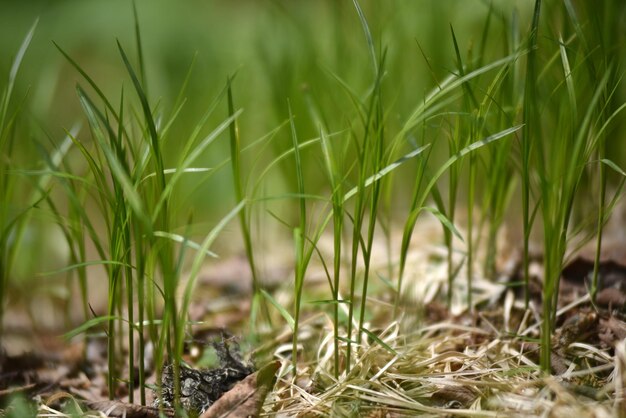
<point>580,113</point>
<point>432,104</point>
<point>11,216</point>
<point>133,189</point>
<point>235,152</point>
<point>373,163</point>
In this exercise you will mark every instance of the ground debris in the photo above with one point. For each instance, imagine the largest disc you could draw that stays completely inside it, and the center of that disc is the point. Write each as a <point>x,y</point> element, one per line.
<point>246,397</point>
<point>612,330</point>
<point>127,410</point>
<point>577,278</point>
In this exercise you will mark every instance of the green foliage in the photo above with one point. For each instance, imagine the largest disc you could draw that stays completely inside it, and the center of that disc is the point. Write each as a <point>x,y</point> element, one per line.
<point>19,407</point>
<point>12,211</point>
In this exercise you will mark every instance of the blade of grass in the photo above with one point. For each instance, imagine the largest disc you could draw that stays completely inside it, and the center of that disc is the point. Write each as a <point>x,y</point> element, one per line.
<point>528,136</point>
<point>235,155</point>
<point>299,232</point>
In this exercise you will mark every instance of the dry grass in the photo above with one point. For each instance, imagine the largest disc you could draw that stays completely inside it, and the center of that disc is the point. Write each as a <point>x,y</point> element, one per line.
<point>434,361</point>
<point>449,368</point>
<point>481,364</point>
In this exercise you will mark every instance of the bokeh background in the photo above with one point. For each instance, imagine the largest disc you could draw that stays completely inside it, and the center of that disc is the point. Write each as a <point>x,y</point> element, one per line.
<point>278,51</point>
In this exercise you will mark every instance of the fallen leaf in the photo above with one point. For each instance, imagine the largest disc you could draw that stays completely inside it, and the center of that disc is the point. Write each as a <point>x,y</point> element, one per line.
<point>246,398</point>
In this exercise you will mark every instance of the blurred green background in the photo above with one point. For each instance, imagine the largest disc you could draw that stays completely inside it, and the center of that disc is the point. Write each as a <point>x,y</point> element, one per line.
<point>279,50</point>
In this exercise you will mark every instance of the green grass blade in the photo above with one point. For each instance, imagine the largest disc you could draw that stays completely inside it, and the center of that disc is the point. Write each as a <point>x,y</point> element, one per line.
<point>444,221</point>
<point>115,165</point>
<point>283,312</point>
<point>154,137</point>
<point>15,67</point>
<point>380,342</point>
<point>368,36</point>
<point>235,157</point>
<point>183,240</point>
<point>206,244</point>
<point>88,325</point>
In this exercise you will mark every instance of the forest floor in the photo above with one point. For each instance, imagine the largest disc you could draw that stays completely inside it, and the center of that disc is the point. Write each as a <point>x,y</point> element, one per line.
<point>429,360</point>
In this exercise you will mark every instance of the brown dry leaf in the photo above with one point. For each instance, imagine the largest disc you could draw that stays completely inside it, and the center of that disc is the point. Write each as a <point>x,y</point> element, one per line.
<point>247,397</point>
<point>128,410</point>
